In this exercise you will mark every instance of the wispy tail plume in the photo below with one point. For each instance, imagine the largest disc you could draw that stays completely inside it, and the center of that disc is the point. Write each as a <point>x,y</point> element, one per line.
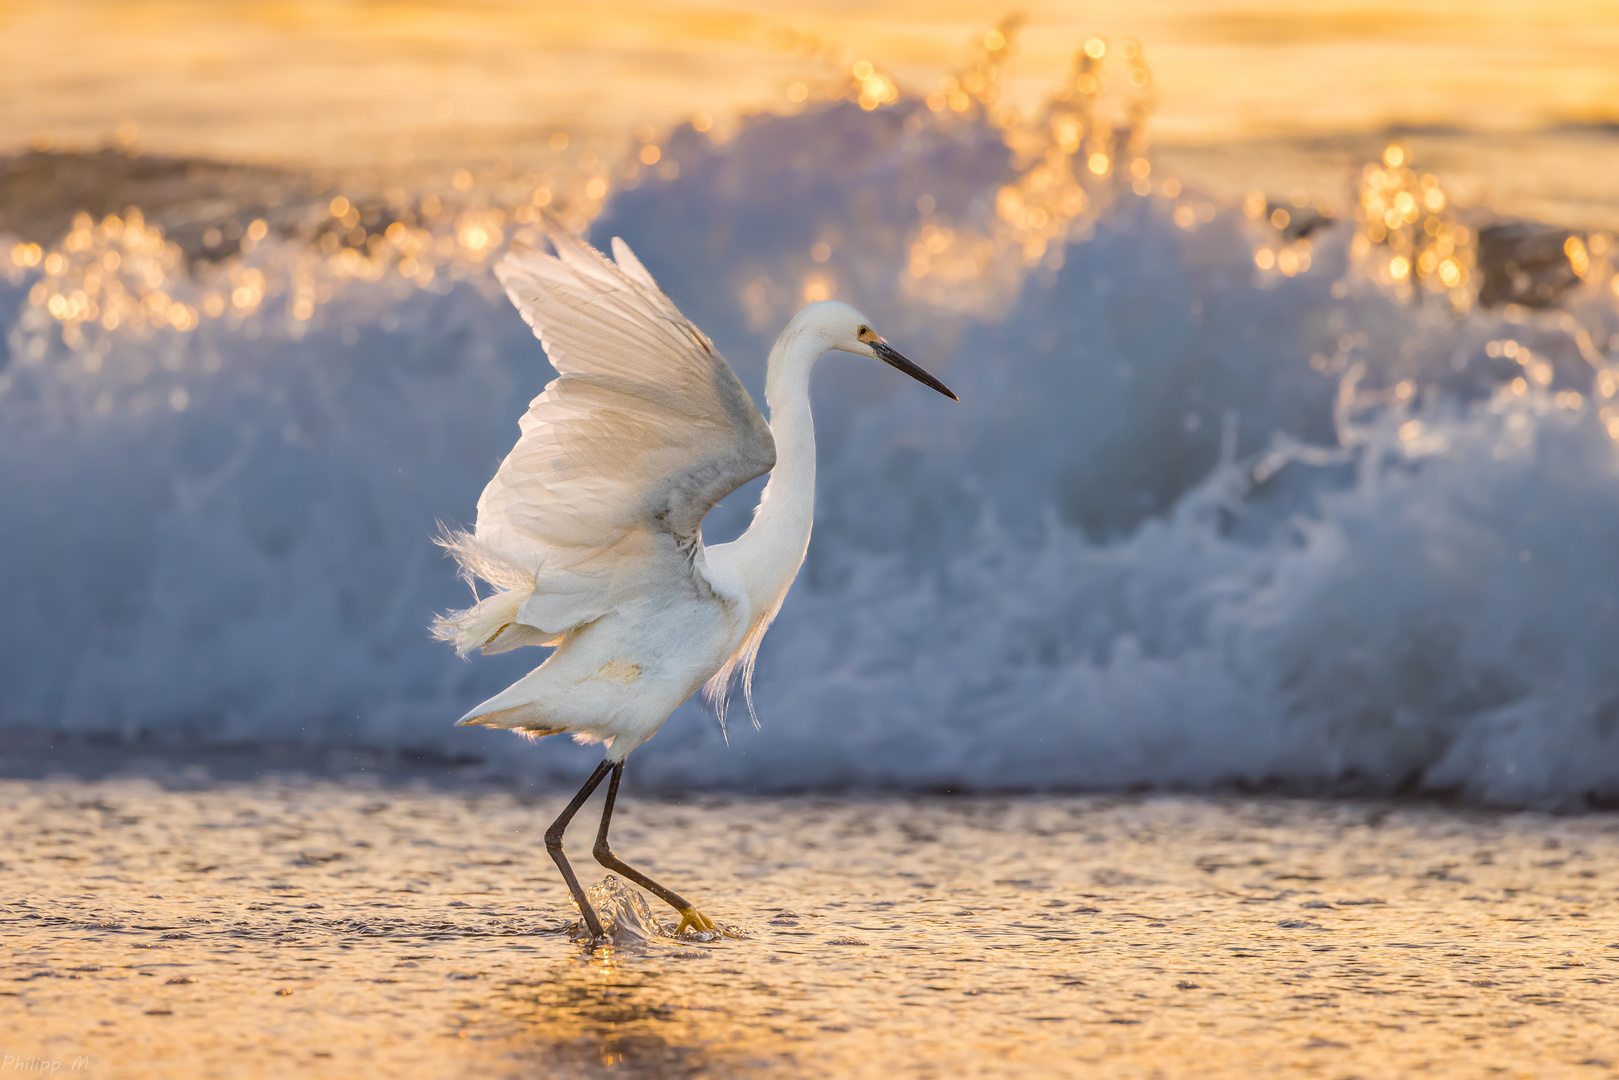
<point>477,627</point>
<point>718,689</point>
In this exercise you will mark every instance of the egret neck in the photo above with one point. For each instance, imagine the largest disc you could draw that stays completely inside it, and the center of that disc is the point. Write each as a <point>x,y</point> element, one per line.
<point>768,555</point>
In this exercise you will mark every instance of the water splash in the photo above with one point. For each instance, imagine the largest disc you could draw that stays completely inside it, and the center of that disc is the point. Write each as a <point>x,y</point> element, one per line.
<point>627,918</point>
<point>1069,160</point>
<point>625,915</point>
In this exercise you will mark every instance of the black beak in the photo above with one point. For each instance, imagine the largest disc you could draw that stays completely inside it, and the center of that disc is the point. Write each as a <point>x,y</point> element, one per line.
<point>890,356</point>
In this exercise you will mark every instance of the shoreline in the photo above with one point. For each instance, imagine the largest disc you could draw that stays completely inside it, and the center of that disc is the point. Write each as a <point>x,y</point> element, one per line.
<point>39,755</point>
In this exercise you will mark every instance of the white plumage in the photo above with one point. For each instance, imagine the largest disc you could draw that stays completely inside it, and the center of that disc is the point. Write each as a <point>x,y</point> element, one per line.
<point>645,429</point>
<point>591,530</point>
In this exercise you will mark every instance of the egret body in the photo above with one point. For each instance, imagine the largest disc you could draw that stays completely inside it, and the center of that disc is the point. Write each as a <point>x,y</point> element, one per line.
<point>591,530</point>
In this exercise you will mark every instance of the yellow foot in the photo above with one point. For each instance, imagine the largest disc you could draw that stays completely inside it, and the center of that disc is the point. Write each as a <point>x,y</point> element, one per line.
<point>695,919</point>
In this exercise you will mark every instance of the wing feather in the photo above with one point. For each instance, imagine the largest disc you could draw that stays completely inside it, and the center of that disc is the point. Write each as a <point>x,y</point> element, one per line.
<point>645,428</point>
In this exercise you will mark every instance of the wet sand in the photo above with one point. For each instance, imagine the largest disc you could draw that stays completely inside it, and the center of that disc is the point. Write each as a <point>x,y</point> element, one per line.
<point>322,928</point>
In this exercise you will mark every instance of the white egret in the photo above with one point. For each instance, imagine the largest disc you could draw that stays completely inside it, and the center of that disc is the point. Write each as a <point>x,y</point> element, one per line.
<point>591,530</point>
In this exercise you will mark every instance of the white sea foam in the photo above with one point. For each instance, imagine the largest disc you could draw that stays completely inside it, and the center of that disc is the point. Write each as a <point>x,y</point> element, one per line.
<point>1190,525</point>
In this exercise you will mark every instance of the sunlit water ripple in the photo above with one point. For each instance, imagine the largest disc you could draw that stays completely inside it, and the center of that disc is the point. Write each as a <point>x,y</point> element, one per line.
<point>337,929</point>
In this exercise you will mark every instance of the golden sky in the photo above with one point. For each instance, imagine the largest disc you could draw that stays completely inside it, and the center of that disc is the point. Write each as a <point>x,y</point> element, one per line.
<point>380,80</point>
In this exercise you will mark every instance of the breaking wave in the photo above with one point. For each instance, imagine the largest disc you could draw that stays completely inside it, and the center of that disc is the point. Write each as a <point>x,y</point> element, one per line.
<point>1225,501</point>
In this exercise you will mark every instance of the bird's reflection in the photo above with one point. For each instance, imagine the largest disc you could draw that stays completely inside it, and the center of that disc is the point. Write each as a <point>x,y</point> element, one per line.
<point>637,1010</point>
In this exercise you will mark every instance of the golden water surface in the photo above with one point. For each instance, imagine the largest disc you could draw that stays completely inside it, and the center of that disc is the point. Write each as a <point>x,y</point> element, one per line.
<point>333,929</point>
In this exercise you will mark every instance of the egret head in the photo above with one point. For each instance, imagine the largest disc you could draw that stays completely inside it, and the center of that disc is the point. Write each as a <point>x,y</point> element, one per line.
<point>847,330</point>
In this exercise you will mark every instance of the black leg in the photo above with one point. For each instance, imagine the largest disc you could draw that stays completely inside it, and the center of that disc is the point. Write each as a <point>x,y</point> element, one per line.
<point>553,844</point>
<point>604,855</point>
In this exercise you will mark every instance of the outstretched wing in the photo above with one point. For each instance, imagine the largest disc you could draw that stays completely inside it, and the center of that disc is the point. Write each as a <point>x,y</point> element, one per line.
<point>644,430</point>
